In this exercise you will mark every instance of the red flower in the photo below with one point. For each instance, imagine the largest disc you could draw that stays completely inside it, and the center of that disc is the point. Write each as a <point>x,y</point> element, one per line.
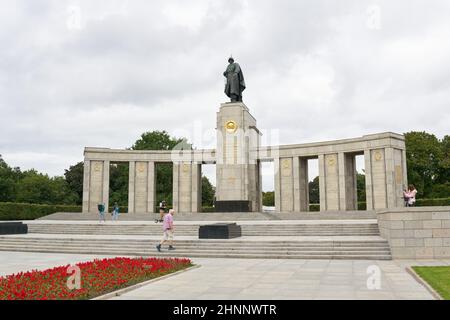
<point>96,278</point>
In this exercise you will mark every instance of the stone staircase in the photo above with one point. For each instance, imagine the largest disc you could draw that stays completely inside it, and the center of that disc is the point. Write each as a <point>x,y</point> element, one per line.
<point>320,239</point>
<point>296,229</point>
<point>351,249</point>
<point>217,216</point>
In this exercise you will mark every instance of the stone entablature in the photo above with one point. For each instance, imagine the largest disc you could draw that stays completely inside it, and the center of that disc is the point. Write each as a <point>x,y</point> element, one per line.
<point>416,233</point>
<point>312,150</point>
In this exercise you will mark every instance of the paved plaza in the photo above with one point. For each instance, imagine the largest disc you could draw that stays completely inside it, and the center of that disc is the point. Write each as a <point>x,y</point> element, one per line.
<point>230,279</point>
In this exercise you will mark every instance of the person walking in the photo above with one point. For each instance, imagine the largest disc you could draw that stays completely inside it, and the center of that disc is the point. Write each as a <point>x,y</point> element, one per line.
<point>168,230</point>
<point>162,210</point>
<point>101,212</point>
<point>115,213</point>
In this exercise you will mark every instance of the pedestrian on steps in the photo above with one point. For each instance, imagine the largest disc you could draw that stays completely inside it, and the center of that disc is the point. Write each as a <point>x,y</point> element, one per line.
<point>168,230</point>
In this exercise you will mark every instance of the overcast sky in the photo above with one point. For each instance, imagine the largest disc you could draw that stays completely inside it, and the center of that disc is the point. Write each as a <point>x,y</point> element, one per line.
<point>100,73</point>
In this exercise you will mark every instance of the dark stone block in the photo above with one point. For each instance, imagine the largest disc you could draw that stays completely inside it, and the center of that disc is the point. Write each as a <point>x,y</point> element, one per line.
<point>13,228</point>
<point>233,206</point>
<point>220,231</point>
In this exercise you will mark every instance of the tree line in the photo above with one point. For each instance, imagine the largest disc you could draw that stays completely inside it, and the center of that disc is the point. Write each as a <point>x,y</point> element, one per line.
<point>427,157</point>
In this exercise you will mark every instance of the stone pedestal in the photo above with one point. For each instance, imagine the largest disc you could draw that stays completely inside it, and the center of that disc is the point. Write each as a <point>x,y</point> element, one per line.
<point>237,172</point>
<point>220,231</point>
<point>13,228</point>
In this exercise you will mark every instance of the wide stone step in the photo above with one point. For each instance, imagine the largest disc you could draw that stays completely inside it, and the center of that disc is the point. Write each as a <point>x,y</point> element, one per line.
<point>199,247</point>
<point>352,256</point>
<point>4,239</point>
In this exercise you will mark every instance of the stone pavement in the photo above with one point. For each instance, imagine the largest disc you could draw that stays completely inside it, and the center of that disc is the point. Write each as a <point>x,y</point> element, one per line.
<point>230,279</point>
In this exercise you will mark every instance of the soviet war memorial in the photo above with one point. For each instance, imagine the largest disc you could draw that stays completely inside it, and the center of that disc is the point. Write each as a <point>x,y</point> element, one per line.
<point>274,157</point>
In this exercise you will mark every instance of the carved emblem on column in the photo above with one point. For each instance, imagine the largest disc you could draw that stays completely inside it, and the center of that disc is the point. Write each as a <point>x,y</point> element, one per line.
<point>378,156</point>
<point>141,167</point>
<point>185,167</point>
<point>286,167</point>
<point>97,167</point>
<point>332,161</point>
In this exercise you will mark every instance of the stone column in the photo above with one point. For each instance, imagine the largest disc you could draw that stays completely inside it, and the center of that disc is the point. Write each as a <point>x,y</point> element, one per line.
<point>329,182</point>
<point>405,172</point>
<point>287,185</point>
<point>368,172</point>
<point>399,178</point>
<point>378,170</point>
<point>187,187</point>
<point>390,177</point>
<point>131,183</point>
<point>196,188</point>
<point>347,181</point>
<point>296,177</point>
<point>322,183</point>
<point>175,193</point>
<point>151,187</point>
<point>95,185</point>
<point>141,187</point>
<point>236,172</point>
<point>106,167</point>
<point>303,185</point>
<point>277,184</point>
<point>86,180</point>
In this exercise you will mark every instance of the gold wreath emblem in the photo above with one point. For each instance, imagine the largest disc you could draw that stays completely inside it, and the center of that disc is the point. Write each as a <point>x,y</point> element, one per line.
<point>378,156</point>
<point>332,161</point>
<point>97,167</point>
<point>231,126</point>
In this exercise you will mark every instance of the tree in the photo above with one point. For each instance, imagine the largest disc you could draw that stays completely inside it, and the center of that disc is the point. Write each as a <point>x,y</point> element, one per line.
<point>208,192</point>
<point>118,186</point>
<point>268,198</point>
<point>74,178</point>
<point>361,187</point>
<point>156,140</point>
<point>8,182</point>
<point>424,154</point>
<point>314,190</point>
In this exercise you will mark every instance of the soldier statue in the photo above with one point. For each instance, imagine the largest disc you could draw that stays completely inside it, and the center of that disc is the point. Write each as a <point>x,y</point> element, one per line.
<point>235,81</point>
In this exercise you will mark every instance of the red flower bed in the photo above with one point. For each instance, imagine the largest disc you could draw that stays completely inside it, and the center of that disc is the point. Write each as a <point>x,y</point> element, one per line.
<point>96,277</point>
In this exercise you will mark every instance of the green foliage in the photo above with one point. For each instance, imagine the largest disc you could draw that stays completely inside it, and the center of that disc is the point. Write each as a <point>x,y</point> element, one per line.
<point>314,191</point>
<point>118,184</point>
<point>208,193</point>
<point>428,163</point>
<point>156,140</point>
<point>361,187</point>
<point>433,202</point>
<point>268,199</point>
<point>27,211</point>
<point>74,178</point>
<point>208,209</point>
<point>8,181</point>
<point>437,277</point>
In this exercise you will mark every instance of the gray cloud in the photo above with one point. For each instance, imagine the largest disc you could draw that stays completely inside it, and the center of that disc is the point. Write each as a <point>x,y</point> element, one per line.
<point>314,70</point>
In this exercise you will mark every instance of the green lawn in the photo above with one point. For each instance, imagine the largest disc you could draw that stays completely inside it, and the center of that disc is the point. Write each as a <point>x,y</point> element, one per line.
<point>436,277</point>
